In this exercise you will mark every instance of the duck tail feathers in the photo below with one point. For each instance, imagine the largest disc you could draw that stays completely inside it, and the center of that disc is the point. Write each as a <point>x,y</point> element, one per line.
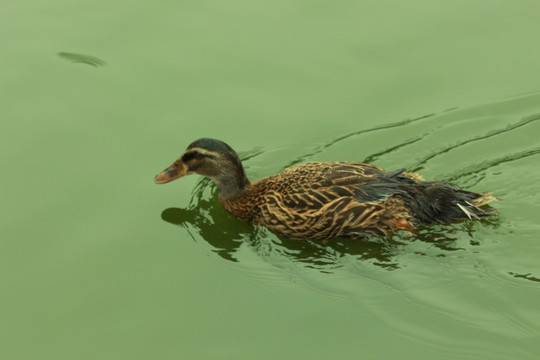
<point>444,202</point>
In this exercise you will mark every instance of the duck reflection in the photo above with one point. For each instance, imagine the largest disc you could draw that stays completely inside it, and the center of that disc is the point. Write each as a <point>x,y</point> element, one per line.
<point>204,218</point>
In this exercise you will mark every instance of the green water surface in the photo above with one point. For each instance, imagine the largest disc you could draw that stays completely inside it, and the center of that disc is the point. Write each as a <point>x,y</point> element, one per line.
<point>98,262</point>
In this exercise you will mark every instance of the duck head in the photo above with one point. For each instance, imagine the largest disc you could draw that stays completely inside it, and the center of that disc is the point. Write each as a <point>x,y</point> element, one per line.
<point>214,159</point>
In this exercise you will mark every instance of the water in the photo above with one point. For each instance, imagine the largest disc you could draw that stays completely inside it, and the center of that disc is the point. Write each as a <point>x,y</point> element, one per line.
<point>99,262</point>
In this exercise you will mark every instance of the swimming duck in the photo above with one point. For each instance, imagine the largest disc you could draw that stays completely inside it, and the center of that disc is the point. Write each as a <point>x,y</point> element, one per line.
<point>325,200</point>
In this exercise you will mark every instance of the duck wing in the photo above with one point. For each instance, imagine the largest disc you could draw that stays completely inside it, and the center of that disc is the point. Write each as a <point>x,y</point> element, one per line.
<point>316,184</point>
<point>326,200</point>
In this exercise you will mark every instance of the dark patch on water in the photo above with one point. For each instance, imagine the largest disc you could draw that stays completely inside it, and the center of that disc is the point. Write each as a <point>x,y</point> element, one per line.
<point>525,276</point>
<point>82,59</point>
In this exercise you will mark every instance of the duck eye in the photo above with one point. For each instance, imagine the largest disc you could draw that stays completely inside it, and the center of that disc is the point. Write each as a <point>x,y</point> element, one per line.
<point>191,155</point>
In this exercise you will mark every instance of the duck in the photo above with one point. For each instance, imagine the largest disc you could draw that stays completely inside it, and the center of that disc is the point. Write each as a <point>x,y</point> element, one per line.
<point>326,200</point>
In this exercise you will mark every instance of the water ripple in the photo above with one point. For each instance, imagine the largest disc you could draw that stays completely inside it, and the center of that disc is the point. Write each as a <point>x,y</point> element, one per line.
<point>419,164</point>
<point>321,148</point>
<point>525,276</point>
<point>475,169</point>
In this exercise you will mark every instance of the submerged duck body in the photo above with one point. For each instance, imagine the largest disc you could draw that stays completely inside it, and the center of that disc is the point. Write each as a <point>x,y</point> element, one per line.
<point>324,200</point>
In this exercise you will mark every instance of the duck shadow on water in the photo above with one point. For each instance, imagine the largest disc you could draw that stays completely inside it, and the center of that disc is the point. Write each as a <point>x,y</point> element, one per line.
<point>205,219</point>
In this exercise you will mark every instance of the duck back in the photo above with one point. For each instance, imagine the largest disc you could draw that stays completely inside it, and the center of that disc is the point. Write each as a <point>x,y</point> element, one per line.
<point>343,199</point>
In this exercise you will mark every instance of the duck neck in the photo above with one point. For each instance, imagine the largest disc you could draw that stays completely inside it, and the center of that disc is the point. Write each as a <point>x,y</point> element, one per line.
<point>232,184</point>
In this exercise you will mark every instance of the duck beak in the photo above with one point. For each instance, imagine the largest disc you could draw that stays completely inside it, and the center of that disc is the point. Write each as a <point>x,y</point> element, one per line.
<point>173,172</point>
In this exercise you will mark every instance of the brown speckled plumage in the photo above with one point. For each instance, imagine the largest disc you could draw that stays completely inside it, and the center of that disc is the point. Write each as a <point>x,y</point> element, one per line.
<point>324,200</point>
